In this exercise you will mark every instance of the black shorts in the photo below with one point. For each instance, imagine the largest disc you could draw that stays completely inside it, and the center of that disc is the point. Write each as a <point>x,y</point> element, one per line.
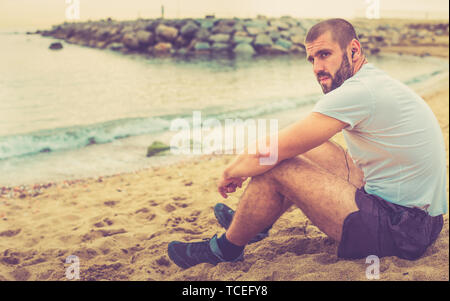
<point>382,228</point>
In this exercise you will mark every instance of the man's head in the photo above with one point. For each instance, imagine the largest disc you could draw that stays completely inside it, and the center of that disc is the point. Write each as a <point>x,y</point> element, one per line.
<point>335,52</point>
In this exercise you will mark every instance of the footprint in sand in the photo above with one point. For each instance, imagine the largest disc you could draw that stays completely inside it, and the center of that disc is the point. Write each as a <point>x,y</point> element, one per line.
<point>10,233</point>
<point>169,208</point>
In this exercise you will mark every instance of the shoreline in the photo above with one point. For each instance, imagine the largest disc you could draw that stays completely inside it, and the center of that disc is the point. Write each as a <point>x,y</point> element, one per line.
<point>119,227</point>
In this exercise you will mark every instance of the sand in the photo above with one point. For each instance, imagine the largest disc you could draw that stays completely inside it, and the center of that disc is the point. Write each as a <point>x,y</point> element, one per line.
<point>119,227</point>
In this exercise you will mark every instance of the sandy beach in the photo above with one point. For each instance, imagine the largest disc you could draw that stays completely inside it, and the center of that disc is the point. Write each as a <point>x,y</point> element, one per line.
<point>119,227</point>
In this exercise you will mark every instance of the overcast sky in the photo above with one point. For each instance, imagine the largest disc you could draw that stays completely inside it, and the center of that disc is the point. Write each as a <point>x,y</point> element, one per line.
<point>18,14</point>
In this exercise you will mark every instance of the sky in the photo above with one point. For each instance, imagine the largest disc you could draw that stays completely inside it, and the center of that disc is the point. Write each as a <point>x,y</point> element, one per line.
<point>42,14</point>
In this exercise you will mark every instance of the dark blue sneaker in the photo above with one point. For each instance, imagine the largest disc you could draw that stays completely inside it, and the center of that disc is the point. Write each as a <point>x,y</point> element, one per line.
<point>186,255</point>
<point>224,215</point>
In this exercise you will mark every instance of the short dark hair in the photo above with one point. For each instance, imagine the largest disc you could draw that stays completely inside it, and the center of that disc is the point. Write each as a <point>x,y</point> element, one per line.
<point>341,30</point>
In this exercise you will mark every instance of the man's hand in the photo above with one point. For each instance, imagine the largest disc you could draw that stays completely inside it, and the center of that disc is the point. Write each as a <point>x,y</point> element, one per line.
<point>229,185</point>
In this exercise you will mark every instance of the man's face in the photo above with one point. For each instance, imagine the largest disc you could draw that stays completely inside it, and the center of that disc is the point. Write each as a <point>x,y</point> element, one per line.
<point>330,63</point>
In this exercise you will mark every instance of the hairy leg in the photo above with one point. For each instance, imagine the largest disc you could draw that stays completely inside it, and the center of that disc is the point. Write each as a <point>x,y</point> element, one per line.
<point>326,198</point>
<point>333,158</point>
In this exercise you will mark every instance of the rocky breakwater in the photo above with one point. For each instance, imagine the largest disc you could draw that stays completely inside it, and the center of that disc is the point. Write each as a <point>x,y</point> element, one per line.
<point>248,37</point>
<point>186,36</point>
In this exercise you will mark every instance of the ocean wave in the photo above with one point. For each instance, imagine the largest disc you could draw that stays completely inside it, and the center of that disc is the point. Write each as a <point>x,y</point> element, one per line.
<point>76,137</point>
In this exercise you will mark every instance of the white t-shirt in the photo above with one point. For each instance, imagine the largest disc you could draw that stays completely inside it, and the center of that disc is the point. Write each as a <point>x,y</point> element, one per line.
<point>393,136</point>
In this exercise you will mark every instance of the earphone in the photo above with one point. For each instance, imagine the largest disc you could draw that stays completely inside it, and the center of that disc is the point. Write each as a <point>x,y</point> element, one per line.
<point>353,53</point>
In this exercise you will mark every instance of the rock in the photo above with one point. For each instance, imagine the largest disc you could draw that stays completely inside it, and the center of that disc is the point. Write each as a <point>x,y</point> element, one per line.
<point>253,31</point>
<point>130,41</point>
<point>297,39</point>
<point>162,48</point>
<point>115,46</point>
<point>244,49</point>
<point>189,30</point>
<point>260,23</point>
<point>202,34</point>
<point>166,32</point>
<point>145,38</point>
<point>284,43</point>
<point>206,23</point>
<point>298,49</point>
<point>225,29</point>
<point>181,42</point>
<point>280,25</point>
<point>274,35</point>
<point>297,31</point>
<point>55,46</point>
<point>101,44</point>
<point>156,146</point>
<point>274,49</point>
<point>200,46</point>
<point>238,39</point>
<point>220,46</point>
<point>219,38</point>
<point>263,40</point>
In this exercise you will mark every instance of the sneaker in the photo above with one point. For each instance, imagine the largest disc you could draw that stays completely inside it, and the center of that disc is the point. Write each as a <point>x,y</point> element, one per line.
<point>186,255</point>
<point>224,215</point>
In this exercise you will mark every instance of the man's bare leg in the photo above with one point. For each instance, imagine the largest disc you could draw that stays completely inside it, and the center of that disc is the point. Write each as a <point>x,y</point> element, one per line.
<point>335,159</point>
<point>322,193</point>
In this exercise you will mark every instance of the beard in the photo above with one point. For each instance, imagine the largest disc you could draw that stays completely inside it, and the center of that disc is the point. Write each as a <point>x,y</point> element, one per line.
<point>343,73</point>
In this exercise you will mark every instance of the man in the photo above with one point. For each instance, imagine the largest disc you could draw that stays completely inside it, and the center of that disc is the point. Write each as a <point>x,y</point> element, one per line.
<point>383,197</point>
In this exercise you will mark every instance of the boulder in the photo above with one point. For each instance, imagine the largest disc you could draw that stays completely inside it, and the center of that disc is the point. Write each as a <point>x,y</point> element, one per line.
<point>55,46</point>
<point>166,32</point>
<point>280,25</point>
<point>206,23</point>
<point>238,39</point>
<point>145,38</point>
<point>201,46</point>
<point>156,148</point>
<point>263,40</point>
<point>115,46</point>
<point>297,31</point>
<point>181,42</point>
<point>274,49</point>
<point>297,49</point>
<point>225,29</point>
<point>274,35</point>
<point>220,46</point>
<point>189,30</point>
<point>244,49</point>
<point>162,48</point>
<point>253,31</point>
<point>284,43</point>
<point>130,41</point>
<point>202,34</point>
<point>219,38</point>
<point>297,39</point>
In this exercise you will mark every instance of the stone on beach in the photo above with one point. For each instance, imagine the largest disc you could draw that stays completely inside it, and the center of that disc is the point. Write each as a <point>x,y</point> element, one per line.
<point>157,147</point>
<point>219,38</point>
<point>244,49</point>
<point>55,46</point>
<point>263,40</point>
<point>189,30</point>
<point>166,32</point>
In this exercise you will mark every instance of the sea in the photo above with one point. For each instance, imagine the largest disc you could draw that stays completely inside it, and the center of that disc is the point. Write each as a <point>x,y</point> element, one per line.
<point>81,112</point>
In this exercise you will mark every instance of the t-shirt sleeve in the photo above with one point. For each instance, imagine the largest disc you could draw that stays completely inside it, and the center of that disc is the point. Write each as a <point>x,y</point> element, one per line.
<point>350,103</point>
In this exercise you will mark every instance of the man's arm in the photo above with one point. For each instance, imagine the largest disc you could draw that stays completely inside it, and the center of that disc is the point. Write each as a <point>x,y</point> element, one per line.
<point>294,140</point>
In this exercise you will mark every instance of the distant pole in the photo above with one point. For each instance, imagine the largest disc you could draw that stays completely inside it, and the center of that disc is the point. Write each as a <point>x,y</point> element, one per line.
<point>162,11</point>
